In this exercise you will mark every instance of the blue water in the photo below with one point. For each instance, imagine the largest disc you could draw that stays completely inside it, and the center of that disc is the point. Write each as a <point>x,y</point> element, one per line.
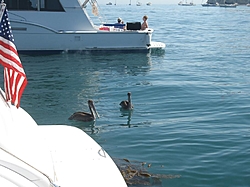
<point>191,101</point>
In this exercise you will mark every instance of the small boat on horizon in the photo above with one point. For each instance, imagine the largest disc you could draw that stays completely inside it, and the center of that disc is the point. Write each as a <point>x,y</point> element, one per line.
<point>210,3</point>
<point>228,4</point>
<point>186,3</point>
<point>148,3</point>
<point>138,3</point>
<point>248,4</point>
<point>109,3</point>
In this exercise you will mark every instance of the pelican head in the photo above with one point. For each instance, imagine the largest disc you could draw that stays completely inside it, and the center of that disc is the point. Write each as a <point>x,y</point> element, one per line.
<point>84,116</point>
<point>127,105</point>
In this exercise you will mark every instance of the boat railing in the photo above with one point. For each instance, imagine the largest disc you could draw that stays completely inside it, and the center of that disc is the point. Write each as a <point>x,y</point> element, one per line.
<point>22,18</point>
<point>84,5</point>
<point>115,25</point>
<point>129,26</point>
<point>2,96</point>
<point>96,10</point>
<point>111,27</point>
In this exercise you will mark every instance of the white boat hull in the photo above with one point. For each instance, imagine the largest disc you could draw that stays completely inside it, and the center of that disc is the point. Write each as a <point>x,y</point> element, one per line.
<point>82,41</point>
<point>210,5</point>
<point>39,156</point>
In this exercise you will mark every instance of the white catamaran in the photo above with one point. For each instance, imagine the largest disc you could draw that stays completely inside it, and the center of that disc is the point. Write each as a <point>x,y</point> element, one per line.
<point>64,25</point>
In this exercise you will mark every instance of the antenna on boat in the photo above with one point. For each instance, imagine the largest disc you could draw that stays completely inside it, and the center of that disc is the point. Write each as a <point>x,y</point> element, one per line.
<point>84,5</point>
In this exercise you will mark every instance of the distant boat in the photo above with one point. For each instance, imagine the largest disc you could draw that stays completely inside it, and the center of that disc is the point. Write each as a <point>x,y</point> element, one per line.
<point>129,3</point>
<point>138,3</point>
<point>210,3</point>
<point>186,3</point>
<point>228,5</point>
<point>149,3</point>
<point>109,3</point>
<point>248,4</point>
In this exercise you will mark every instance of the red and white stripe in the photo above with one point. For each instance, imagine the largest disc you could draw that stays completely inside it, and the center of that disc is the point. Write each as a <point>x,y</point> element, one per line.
<point>15,79</point>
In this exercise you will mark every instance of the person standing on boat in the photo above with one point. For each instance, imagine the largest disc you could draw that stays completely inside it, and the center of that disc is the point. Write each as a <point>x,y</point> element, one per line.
<point>145,23</point>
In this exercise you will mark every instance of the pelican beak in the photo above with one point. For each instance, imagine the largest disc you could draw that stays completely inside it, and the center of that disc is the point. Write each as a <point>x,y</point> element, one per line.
<point>94,110</point>
<point>97,115</point>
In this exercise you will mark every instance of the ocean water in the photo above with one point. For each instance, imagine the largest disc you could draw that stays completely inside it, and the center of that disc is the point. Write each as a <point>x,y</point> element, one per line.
<point>191,101</point>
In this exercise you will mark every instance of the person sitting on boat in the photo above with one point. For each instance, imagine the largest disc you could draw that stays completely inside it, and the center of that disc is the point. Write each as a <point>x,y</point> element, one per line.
<point>145,23</point>
<point>119,21</point>
<point>120,24</point>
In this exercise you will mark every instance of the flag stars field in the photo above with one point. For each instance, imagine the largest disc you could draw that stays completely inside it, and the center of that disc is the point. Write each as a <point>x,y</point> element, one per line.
<point>6,28</point>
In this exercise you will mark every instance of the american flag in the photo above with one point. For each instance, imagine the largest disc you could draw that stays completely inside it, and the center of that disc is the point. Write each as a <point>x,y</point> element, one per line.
<point>15,79</point>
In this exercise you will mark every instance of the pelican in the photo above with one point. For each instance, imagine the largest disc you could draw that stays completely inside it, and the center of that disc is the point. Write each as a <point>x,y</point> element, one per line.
<point>84,116</point>
<point>127,105</point>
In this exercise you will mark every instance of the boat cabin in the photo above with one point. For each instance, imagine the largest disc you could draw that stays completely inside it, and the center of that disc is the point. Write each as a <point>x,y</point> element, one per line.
<point>36,5</point>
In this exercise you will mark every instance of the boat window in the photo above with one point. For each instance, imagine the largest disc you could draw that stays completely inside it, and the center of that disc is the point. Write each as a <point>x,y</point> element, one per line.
<point>39,5</point>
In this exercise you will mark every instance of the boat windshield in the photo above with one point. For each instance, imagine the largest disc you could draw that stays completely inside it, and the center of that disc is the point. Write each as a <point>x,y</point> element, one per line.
<point>36,5</point>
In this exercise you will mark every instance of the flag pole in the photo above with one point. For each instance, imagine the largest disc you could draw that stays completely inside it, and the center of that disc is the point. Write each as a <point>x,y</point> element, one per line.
<point>2,3</point>
<point>2,8</point>
<point>15,79</point>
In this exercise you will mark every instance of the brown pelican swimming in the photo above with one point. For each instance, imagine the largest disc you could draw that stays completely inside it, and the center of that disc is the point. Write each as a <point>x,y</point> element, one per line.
<point>127,105</point>
<point>84,116</point>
